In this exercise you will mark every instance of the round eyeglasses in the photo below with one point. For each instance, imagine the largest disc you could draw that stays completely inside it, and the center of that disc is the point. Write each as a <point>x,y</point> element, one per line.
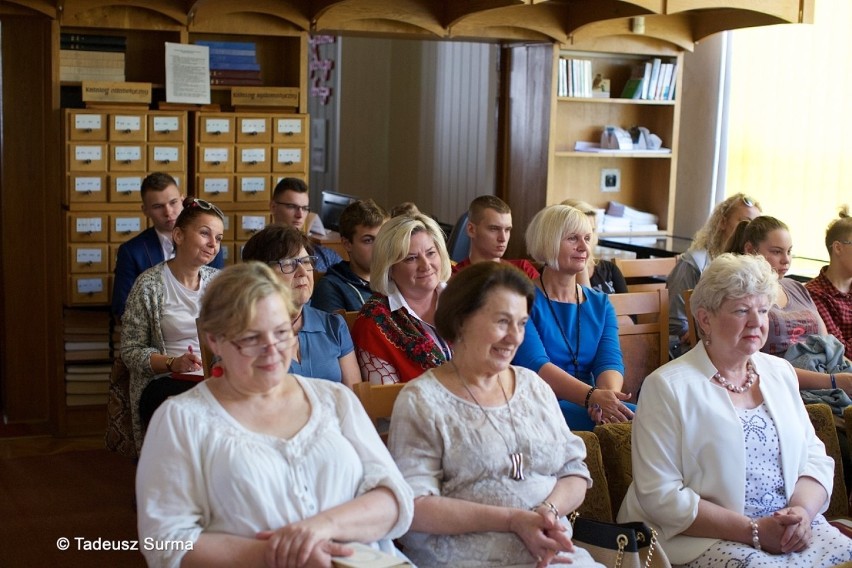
<point>289,265</point>
<point>253,346</point>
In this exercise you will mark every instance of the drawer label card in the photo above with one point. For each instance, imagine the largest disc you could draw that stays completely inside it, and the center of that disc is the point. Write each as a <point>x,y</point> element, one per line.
<point>166,124</point>
<point>88,153</point>
<point>217,125</point>
<point>289,126</point>
<point>90,285</point>
<point>289,155</point>
<point>253,184</point>
<point>254,223</point>
<point>89,256</point>
<point>128,123</point>
<point>216,185</point>
<point>89,225</point>
<point>253,155</point>
<point>166,154</point>
<point>128,225</point>
<point>128,153</point>
<point>215,154</point>
<point>252,126</point>
<point>128,184</point>
<point>88,122</point>
<point>87,184</point>
<point>226,222</point>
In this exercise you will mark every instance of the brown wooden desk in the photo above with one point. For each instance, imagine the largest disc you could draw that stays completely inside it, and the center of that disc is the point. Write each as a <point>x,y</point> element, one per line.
<point>331,240</point>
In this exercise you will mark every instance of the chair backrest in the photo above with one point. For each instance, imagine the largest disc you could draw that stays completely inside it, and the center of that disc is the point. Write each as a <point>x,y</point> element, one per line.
<point>644,345</point>
<point>691,326</point>
<point>458,243</point>
<point>206,354</point>
<point>644,274</point>
<point>349,316</point>
<point>378,402</point>
<point>616,444</point>
<point>597,504</point>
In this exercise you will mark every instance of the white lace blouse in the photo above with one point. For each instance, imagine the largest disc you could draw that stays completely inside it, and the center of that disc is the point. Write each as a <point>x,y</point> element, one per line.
<point>444,445</point>
<point>201,471</point>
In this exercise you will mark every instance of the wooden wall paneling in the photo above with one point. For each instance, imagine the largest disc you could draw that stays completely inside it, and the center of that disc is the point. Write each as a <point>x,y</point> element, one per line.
<point>30,225</point>
<point>525,138</point>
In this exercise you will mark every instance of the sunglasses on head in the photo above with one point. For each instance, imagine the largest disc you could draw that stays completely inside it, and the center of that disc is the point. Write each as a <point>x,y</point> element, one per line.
<point>748,201</point>
<point>203,204</point>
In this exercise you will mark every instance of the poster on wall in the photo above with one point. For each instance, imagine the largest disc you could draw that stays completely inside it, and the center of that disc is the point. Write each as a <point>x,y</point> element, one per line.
<point>187,73</point>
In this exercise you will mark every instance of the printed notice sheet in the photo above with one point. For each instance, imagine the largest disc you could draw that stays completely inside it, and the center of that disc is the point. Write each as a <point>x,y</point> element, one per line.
<point>187,73</point>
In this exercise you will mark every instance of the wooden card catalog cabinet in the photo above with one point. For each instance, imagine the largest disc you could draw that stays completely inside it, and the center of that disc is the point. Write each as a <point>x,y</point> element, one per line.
<point>127,157</point>
<point>247,224</point>
<point>126,188</point>
<point>253,130</point>
<point>228,222</point>
<point>167,127</point>
<point>215,188</point>
<point>253,188</point>
<point>87,227</point>
<point>88,259</point>
<point>215,159</point>
<point>86,188</point>
<point>89,289</point>
<point>128,127</point>
<point>290,129</point>
<point>252,158</point>
<point>86,125</point>
<point>228,249</point>
<point>166,157</point>
<point>86,157</point>
<point>289,159</point>
<point>216,129</point>
<point>124,226</point>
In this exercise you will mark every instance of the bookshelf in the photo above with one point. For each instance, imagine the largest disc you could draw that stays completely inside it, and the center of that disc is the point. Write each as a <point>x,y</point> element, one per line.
<point>647,180</point>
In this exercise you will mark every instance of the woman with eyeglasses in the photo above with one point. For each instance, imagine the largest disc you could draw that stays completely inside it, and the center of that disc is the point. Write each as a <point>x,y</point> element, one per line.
<point>258,466</point>
<point>323,348</point>
<point>395,330</point>
<point>159,337</point>
<point>709,242</point>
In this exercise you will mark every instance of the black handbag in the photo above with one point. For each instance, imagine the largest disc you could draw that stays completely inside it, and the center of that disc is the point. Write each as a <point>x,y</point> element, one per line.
<point>619,545</point>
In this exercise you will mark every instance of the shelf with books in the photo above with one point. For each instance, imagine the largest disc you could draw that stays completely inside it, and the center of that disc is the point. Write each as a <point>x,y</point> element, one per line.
<point>647,177</point>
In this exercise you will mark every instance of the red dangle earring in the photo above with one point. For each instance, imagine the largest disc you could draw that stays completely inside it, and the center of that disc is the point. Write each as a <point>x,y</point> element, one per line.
<point>217,370</point>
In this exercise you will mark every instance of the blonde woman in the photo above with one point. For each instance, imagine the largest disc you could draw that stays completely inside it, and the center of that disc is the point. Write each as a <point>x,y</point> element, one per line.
<point>601,275</point>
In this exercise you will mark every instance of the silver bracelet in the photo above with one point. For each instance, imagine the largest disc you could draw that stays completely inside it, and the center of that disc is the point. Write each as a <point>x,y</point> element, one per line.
<point>755,539</point>
<point>550,507</point>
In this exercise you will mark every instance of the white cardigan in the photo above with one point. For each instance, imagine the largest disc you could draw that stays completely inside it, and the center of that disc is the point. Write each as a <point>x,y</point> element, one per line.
<point>688,444</point>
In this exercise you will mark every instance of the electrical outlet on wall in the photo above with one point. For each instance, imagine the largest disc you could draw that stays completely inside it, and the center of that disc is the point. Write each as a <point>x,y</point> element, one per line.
<point>610,180</point>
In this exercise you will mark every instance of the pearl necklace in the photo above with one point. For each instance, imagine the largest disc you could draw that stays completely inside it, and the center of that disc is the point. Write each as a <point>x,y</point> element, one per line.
<point>751,377</point>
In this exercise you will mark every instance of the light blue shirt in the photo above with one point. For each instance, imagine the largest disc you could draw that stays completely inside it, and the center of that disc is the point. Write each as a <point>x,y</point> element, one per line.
<point>323,339</point>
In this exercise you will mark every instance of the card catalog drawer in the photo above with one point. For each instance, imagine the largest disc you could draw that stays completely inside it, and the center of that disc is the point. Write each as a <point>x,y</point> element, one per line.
<point>253,130</point>
<point>87,157</point>
<point>124,226</point>
<point>86,227</point>
<point>290,129</point>
<point>215,188</point>
<point>166,156</point>
<point>215,159</point>
<point>86,125</point>
<point>289,158</point>
<point>252,159</point>
<point>126,188</point>
<point>167,127</point>
<point>88,289</point>
<point>127,157</point>
<point>87,188</point>
<point>229,252</point>
<point>253,188</point>
<point>88,259</point>
<point>216,129</point>
<point>247,224</point>
<point>128,127</point>
<point>229,223</point>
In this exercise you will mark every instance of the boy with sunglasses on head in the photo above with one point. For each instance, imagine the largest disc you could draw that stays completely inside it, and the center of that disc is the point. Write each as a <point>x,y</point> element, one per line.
<point>289,206</point>
<point>162,202</point>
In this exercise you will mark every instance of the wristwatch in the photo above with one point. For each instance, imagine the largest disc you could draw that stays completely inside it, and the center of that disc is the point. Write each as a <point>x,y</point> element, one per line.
<point>169,361</point>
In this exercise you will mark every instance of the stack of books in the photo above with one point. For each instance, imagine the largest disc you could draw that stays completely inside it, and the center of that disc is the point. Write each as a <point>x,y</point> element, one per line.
<point>653,80</point>
<point>87,356</point>
<point>233,63</point>
<point>91,57</point>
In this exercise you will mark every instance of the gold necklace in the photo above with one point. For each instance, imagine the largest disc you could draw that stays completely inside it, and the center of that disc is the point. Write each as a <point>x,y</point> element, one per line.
<point>516,458</point>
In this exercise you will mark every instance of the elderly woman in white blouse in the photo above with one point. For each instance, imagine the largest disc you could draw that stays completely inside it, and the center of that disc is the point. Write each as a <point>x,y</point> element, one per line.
<point>493,465</point>
<point>257,466</point>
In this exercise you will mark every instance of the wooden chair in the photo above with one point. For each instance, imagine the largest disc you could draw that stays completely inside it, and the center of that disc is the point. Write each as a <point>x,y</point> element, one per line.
<point>644,274</point>
<point>645,344</point>
<point>692,327</point>
<point>206,354</point>
<point>378,402</point>
<point>349,316</point>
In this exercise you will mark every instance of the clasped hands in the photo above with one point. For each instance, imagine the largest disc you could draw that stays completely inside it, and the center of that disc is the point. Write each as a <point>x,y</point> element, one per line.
<point>785,530</point>
<point>301,544</point>
<point>607,407</point>
<point>543,535</point>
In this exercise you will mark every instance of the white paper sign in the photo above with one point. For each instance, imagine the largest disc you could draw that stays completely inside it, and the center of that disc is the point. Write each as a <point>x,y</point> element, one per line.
<point>88,153</point>
<point>289,126</point>
<point>253,223</point>
<point>89,256</point>
<point>252,126</point>
<point>216,185</point>
<point>215,154</point>
<point>217,125</point>
<point>166,124</point>
<point>289,156</point>
<point>187,73</point>
<point>128,184</point>
<point>253,184</point>
<point>90,285</point>
<point>127,123</point>
<point>87,184</point>
<point>128,153</point>
<point>89,225</point>
<point>87,122</point>
<point>226,221</point>
<point>253,155</point>
<point>128,225</point>
<point>165,154</point>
